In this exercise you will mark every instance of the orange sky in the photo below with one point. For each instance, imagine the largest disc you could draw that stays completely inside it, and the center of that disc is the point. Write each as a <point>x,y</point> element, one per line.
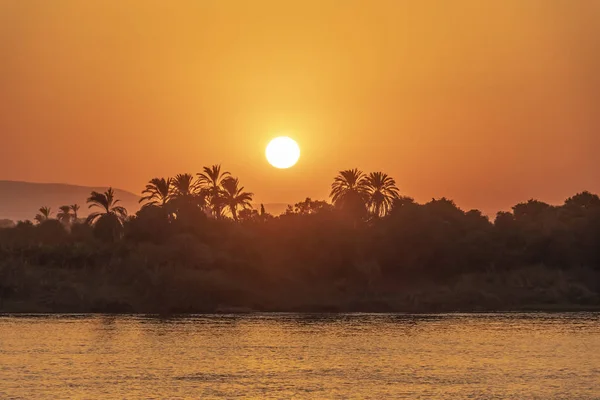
<point>488,103</point>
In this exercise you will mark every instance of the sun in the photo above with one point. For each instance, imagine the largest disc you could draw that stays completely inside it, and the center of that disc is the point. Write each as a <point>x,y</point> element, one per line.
<point>282,152</point>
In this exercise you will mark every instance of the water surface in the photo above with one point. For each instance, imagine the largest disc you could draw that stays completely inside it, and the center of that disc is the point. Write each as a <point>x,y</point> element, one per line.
<point>264,356</point>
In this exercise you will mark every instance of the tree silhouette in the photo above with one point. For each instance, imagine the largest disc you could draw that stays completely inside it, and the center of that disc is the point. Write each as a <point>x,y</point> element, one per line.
<point>434,256</point>
<point>346,182</point>
<point>186,199</point>
<point>349,192</point>
<point>248,214</point>
<point>402,202</point>
<point>64,215</point>
<point>532,210</point>
<point>44,214</point>
<point>234,196</point>
<point>184,186</point>
<point>75,208</point>
<point>108,223</point>
<point>252,215</point>
<point>307,207</point>
<point>157,192</point>
<point>584,200</point>
<point>382,192</point>
<point>107,202</point>
<point>6,223</point>
<point>211,181</point>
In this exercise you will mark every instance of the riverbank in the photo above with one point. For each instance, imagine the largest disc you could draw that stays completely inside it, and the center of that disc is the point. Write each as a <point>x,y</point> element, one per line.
<point>31,289</point>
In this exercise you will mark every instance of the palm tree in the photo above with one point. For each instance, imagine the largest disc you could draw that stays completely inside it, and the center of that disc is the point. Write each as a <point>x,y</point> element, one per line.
<point>185,198</point>
<point>108,204</point>
<point>64,215</point>
<point>349,193</point>
<point>347,182</point>
<point>44,215</point>
<point>184,186</point>
<point>350,184</point>
<point>75,208</point>
<point>157,192</point>
<point>234,196</point>
<point>382,192</point>
<point>210,181</point>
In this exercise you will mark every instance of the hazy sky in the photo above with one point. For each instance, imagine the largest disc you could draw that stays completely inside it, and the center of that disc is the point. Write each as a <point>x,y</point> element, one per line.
<point>486,102</point>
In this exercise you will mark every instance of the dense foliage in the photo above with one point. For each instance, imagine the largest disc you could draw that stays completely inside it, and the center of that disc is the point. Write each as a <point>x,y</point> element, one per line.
<point>198,245</point>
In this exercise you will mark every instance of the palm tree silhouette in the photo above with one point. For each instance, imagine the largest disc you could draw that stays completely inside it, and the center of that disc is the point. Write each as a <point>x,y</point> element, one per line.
<point>157,192</point>
<point>64,215</point>
<point>184,186</point>
<point>44,214</point>
<point>234,196</point>
<point>382,192</point>
<point>185,197</point>
<point>75,208</point>
<point>349,183</point>
<point>211,183</point>
<point>108,204</point>
<point>349,193</point>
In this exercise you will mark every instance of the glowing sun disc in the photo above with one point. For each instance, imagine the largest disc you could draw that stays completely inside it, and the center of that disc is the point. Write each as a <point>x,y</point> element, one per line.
<point>282,152</point>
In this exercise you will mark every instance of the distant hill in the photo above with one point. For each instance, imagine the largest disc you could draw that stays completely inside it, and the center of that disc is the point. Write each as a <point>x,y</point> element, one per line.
<point>21,200</point>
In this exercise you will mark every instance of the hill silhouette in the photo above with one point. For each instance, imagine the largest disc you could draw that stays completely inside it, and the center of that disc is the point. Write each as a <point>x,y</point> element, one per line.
<point>21,200</point>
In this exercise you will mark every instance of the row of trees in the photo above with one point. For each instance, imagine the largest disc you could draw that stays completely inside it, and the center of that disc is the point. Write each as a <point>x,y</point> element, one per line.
<point>218,194</point>
<point>366,207</point>
<point>361,194</point>
<point>197,240</point>
<point>67,214</point>
<point>214,191</point>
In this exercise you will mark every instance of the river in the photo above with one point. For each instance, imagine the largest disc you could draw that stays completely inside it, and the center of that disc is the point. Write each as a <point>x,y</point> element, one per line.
<point>283,356</point>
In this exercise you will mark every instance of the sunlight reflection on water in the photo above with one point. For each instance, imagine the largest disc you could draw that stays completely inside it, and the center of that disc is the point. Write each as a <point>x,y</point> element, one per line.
<point>514,355</point>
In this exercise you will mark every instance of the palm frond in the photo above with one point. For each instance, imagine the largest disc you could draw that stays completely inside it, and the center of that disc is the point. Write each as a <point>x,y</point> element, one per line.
<point>184,185</point>
<point>98,199</point>
<point>92,218</point>
<point>119,211</point>
<point>212,176</point>
<point>46,212</point>
<point>158,190</point>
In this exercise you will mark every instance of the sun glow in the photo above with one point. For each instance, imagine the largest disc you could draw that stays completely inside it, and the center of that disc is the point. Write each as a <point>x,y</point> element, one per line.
<point>282,152</point>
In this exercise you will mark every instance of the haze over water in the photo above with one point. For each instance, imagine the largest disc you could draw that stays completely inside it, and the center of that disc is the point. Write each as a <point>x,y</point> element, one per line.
<point>301,356</point>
